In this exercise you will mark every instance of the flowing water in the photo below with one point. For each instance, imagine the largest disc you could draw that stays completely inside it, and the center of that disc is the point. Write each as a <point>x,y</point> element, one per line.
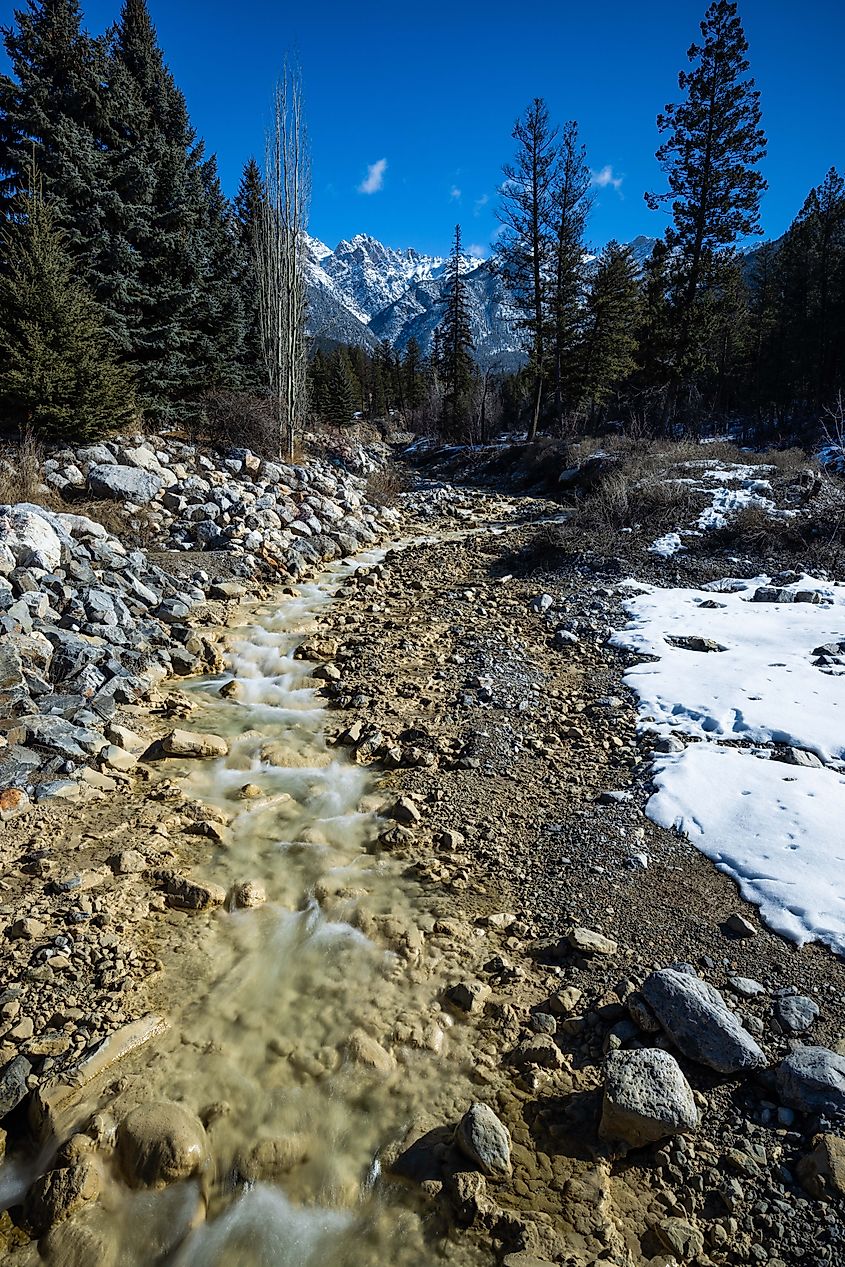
<point>262,1002</point>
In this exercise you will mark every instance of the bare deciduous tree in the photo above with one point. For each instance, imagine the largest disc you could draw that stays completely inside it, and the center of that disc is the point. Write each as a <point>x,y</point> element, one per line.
<point>280,247</point>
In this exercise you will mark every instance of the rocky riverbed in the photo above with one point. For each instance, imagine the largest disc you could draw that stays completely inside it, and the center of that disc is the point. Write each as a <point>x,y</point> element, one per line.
<point>582,1047</point>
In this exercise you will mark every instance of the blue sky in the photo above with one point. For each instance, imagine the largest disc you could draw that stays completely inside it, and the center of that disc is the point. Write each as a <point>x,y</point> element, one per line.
<point>426,95</point>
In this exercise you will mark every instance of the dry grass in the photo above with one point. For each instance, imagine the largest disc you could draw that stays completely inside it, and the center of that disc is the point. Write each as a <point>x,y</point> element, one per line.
<point>22,474</point>
<point>384,486</point>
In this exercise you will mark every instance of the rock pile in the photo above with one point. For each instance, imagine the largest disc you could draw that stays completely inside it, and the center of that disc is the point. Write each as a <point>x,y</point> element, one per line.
<point>89,625</point>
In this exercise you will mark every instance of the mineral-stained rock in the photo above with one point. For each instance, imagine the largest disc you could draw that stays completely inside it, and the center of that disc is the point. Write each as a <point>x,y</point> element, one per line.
<point>271,1158</point>
<point>60,1193</point>
<point>74,1244</point>
<point>158,1144</point>
<point>485,1140</point>
<point>367,1051</point>
<point>697,1019</point>
<point>188,743</point>
<point>646,1098</point>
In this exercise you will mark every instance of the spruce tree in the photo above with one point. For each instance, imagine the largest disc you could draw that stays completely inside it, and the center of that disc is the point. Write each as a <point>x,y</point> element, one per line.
<point>341,393</point>
<point>713,144</point>
<point>247,210</point>
<point>58,374</point>
<point>527,247</point>
<point>571,204</point>
<point>413,379</point>
<point>610,326</point>
<point>458,363</point>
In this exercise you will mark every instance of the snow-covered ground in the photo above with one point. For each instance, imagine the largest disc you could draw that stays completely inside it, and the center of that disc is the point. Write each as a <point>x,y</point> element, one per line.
<point>730,486</point>
<point>730,669</point>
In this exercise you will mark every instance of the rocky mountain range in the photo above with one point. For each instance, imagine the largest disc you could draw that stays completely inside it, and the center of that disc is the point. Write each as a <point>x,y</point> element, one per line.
<point>363,292</point>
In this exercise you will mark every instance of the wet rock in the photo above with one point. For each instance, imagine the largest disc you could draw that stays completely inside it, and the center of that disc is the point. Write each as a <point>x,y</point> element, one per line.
<point>795,1013</point>
<point>485,1140</point>
<point>187,743</point>
<point>271,1158</point>
<point>159,1144</point>
<point>246,895</point>
<point>60,1193</point>
<point>646,1098</point>
<point>190,895</point>
<point>812,1079</point>
<point>74,1244</point>
<point>367,1051</point>
<point>468,996</point>
<point>13,1085</point>
<point>699,1023</point>
<point>822,1172</point>
<point>588,942</point>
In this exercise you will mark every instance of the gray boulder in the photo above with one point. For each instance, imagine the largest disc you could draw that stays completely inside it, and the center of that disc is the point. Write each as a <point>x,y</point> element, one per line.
<point>812,1079</point>
<point>646,1098</point>
<point>485,1140</point>
<point>795,1013</point>
<point>13,1086</point>
<point>699,1022</point>
<point>123,483</point>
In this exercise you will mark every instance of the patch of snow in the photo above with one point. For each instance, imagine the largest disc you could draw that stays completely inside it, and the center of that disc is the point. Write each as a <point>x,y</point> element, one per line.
<point>666,546</point>
<point>773,828</point>
<point>764,687</point>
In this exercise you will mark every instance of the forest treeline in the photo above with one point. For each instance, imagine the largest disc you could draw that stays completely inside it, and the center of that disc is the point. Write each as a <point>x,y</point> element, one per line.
<point>128,282</point>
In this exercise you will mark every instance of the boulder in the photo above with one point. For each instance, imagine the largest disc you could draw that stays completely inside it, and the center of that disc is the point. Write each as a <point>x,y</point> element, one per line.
<point>812,1079</point>
<point>123,483</point>
<point>188,743</point>
<point>30,537</point>
<point>74,1244</point>
<point>646,1098</point>
<point>271,1158</point>
<point>822,1172</point>
<point>246,895</point>
<point>485,1141</point>
<point>159,1144</point>
<point>190,895</point>
<point>13,1086</point>
<point>364,1050</point>
<point>795,1013</point>
<point>699,1022</point>
<point>60,1193</point>
<point>588,942</point>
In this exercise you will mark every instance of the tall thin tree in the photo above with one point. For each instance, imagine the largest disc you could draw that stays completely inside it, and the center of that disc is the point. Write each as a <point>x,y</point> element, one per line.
<point>714,141</point>
<point>527,246</point>
<point>281,254</point>
<point>458,362</point>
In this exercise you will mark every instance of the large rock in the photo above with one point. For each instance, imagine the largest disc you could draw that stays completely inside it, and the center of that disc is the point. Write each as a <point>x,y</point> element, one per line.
<point>60,1193</point>
<point>123,483</point>
<point>485,1140</point>
<point>13,1086</point>
<point>158,1144</point>
<point>699,1022</point>
<point>646,1098</point>
<point>188,743</point>
<point>812,1079</point>
<point>822,1172</point>
<point>367,1051</point>
<point>30,537</point>
<point>190,895</point>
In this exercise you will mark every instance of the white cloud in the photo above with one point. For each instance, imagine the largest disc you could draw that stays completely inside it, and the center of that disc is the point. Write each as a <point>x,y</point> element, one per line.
<point>479,203</point>
<point>455,193</point>
<point>605,178</point>
<point>477,252</point>
<point>374,179</point>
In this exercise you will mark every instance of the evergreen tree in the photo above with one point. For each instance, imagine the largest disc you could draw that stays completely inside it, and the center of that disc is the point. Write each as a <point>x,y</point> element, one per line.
<point>527,247</point>
<point>58,374</point>
<point>413,379</point>
<point>340,390</point>
<point>247,212</point>
<point>458,363</point>
<point>656,330</point>
<point>714,142</point>
<point>219,321</point>
<point>610,336</point>
<point>571,204</point>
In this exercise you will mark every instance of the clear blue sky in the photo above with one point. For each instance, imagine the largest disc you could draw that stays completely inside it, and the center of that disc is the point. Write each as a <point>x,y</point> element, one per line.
<point>434,88</point>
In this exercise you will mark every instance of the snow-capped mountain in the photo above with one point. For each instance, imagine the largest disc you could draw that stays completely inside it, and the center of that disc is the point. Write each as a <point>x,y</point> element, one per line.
<point>363,292</point>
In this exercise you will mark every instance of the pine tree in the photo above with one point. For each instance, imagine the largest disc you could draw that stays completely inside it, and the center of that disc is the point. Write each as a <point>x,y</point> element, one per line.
<point>219,323</point>
<point>610,335</point>
<point>413,379</point>
<point>714,142</point>
<point>58,374</point>
<point>458,362</point>
<point>527,247</point>
<point>340,390</point>
<point>571,204</point>
<point>657,330</point>
<point>318,385</point>
<point>247,210</point>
